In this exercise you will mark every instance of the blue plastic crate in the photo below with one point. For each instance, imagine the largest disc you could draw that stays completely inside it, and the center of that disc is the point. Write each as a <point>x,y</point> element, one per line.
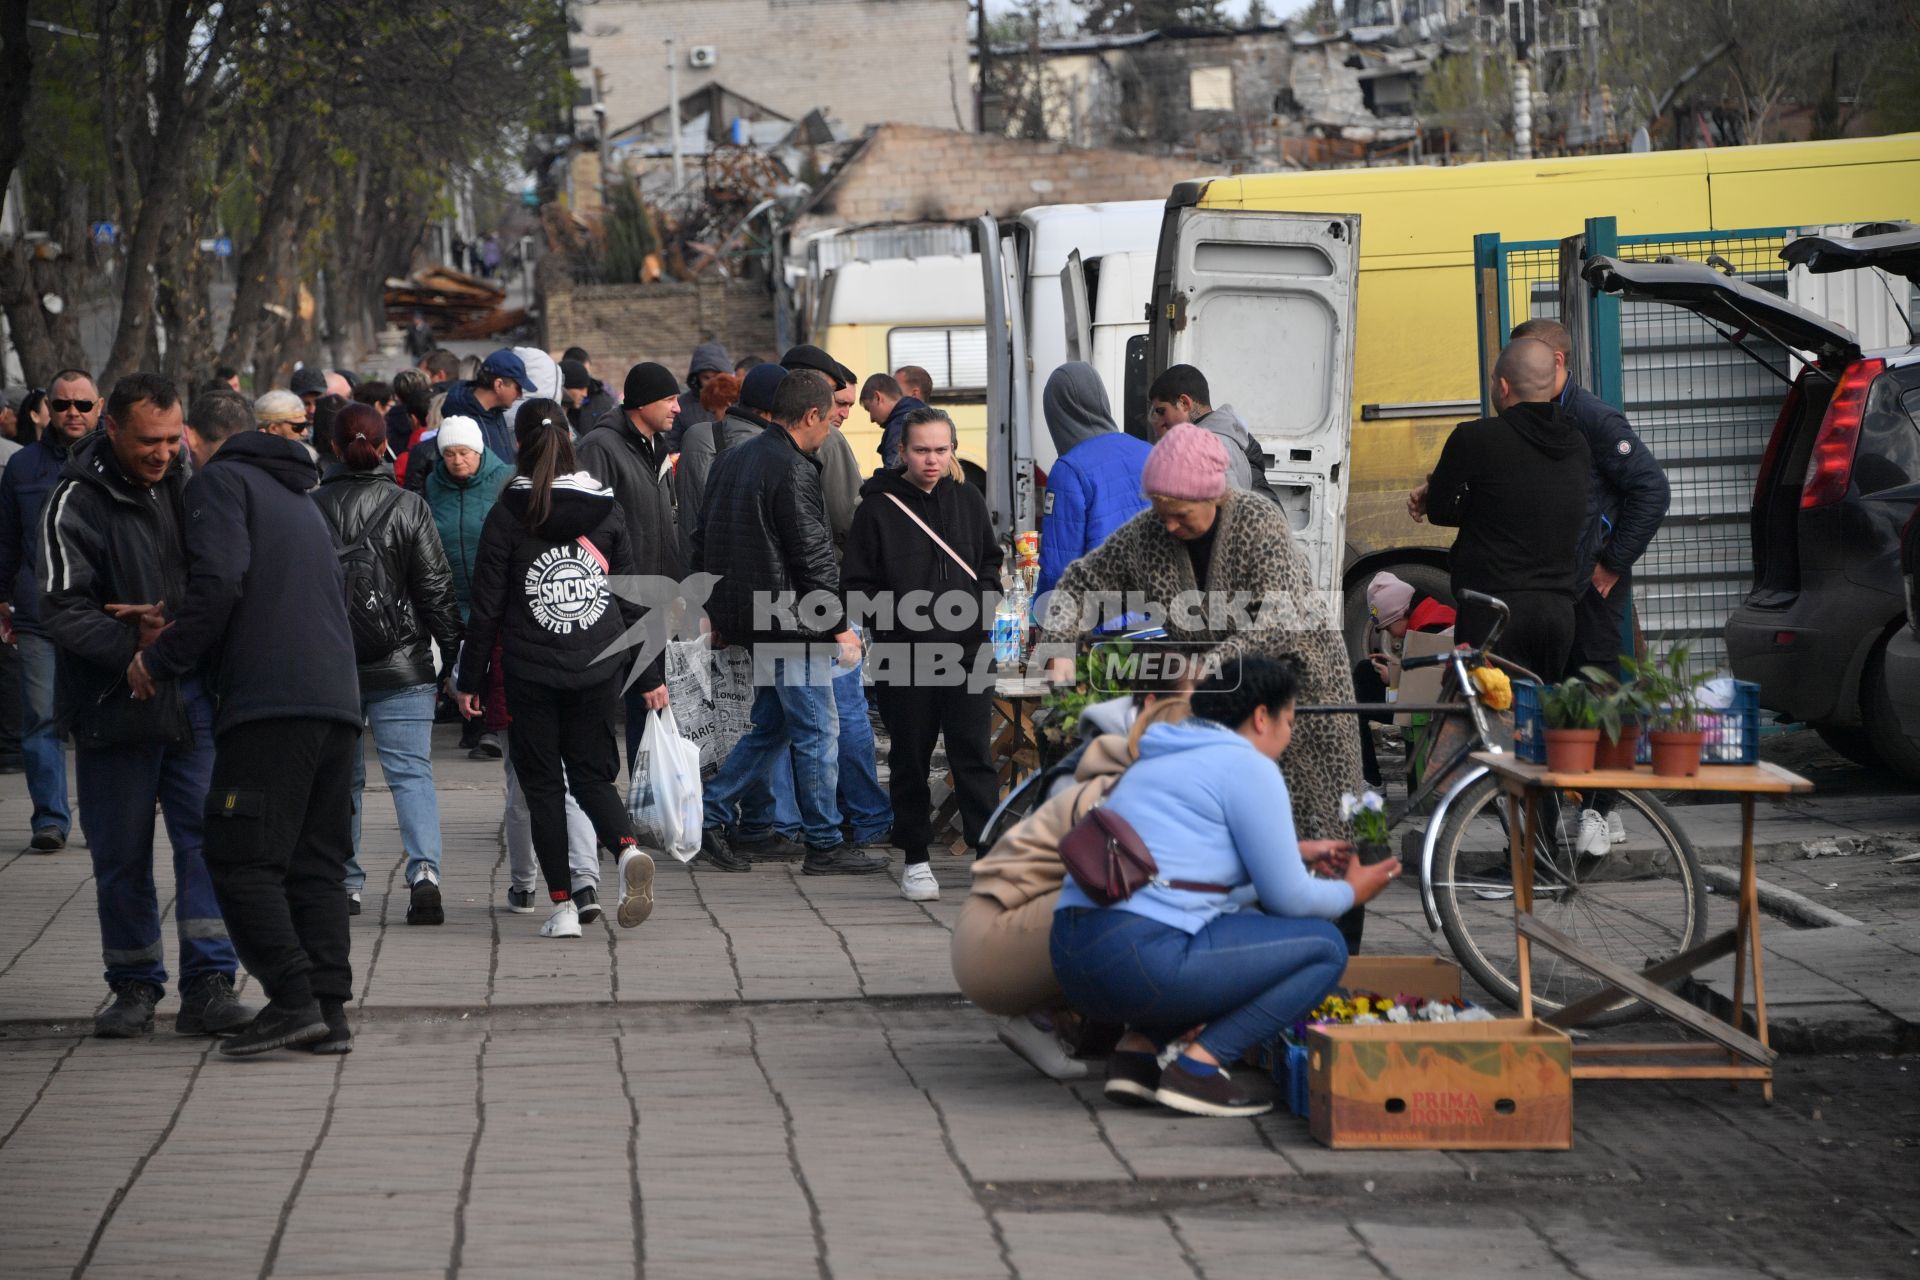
<point>1732,734</point>
<point>1287,1065</point>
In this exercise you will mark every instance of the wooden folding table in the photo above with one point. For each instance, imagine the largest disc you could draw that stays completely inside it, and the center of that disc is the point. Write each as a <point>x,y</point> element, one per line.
<point>1526,783</point>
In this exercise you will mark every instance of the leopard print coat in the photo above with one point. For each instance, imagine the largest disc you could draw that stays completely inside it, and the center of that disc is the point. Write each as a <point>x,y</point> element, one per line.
<point>1257,564</point>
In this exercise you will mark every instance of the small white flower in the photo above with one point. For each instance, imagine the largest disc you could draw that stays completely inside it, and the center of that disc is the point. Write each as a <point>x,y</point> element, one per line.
<point>1398,1013</point>
<point>1372,802</point>
<point>1349,805</point>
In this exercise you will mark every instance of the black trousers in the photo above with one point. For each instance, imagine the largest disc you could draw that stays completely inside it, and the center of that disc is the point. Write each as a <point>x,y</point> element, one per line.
<point>12,708</point>
<point>1596,626</point>
<point>1539,635</point>
<point>573,728</point>
<point>1369,687</point>
<point>914,718</point>
<point>279,831</point>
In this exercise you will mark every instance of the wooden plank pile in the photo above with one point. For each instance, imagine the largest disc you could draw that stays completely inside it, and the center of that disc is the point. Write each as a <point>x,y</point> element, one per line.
<point>454,303</point>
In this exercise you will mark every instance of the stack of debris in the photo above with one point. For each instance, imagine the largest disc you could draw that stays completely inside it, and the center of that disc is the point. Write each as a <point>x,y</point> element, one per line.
<point>455,304</point>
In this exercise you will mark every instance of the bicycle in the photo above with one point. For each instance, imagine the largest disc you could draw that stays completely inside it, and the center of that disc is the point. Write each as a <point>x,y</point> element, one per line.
<point>1642,902</point>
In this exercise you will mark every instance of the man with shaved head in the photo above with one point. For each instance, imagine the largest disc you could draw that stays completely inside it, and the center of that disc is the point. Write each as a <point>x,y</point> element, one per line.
<point>1515,485</point>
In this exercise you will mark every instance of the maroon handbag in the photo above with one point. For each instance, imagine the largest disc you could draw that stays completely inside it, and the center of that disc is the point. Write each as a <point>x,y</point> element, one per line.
<point>1110,862</point>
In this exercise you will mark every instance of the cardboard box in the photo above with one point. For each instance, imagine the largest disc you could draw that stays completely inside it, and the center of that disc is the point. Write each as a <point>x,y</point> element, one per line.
<point>1431,977</point>
<point>1423,684</point>
<point>1505,1085</point>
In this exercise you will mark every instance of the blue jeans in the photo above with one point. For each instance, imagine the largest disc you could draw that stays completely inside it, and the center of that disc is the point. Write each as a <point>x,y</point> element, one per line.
<point>769,806</point>
<point>401,725</point>
<point>788,710</point>
<point>118,787</point>
<point>862,798</point>
<point>1246,976</point>
<point>45,756</point>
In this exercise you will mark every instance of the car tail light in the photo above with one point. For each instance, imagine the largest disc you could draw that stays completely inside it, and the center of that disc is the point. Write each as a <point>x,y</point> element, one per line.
<point>1830,469</point>
<point>1781,426</point>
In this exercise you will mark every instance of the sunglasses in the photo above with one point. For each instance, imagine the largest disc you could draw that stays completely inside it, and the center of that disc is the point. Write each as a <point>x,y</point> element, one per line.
<point>78,406</point>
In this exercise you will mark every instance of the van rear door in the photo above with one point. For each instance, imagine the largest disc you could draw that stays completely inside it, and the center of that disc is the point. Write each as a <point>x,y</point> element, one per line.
<point>1010,476</point>
<point>1079,311</point>
<point>1263,304</point>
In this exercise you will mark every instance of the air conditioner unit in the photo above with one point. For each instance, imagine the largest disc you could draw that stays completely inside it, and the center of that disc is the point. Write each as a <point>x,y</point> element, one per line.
<point>702,56</point>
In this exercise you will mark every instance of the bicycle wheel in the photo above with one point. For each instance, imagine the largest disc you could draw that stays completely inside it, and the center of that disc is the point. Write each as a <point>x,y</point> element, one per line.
<point>1641,902</point>
<point>1021,801</point>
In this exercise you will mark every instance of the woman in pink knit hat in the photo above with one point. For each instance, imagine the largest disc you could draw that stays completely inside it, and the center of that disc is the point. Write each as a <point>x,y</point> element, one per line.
<point>1223,567</point>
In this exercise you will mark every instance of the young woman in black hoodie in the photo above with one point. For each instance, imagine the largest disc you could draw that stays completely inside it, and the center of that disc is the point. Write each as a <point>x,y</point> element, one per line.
<point>542,582</point>
<point>919,529</point>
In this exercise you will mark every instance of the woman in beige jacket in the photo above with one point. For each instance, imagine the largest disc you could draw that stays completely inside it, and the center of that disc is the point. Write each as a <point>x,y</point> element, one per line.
<point>1000,956</point>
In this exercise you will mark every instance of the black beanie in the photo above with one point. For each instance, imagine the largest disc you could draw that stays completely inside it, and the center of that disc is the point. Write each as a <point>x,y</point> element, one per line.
<point>574,374</point>
<point>646,383</point>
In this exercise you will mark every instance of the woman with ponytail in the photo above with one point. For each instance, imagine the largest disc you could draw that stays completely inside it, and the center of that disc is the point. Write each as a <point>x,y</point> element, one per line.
<point>543,584</point>
<point>399,597</point>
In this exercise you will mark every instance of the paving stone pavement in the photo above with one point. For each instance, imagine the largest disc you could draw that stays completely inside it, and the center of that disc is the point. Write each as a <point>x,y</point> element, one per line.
<point>774,1077</point>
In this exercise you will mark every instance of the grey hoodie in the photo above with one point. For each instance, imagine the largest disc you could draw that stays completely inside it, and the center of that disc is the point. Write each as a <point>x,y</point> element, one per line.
<point>1234,435</point>
<point>709,357</point>
<point>1075,404</point>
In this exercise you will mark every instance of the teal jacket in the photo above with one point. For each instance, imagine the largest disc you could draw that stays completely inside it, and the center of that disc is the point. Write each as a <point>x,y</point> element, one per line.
<point>460,510</point>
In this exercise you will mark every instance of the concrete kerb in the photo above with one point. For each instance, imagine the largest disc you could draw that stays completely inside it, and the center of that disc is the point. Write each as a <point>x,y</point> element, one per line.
<point>1781,902</point>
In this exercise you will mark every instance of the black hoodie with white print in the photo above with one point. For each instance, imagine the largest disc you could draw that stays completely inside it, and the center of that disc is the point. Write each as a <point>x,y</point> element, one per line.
<point>546,594</point>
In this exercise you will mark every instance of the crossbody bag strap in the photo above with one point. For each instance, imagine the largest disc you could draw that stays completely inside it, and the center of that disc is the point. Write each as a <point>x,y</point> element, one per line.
<point>587,546</point>
<point>937,539</point>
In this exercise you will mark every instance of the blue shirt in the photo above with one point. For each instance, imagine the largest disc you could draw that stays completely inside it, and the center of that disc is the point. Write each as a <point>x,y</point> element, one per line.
<point>1213,810</point>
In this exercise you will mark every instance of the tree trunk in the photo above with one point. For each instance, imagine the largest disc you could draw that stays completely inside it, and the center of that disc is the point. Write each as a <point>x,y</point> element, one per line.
<point>46,343</point>
<point>265,272</point>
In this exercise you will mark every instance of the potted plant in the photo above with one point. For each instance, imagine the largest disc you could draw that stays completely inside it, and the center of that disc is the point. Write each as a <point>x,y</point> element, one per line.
<point>1572,716</point>
<point>1621,710</point>
<point>1366,818</point>
<point>1671,689</point>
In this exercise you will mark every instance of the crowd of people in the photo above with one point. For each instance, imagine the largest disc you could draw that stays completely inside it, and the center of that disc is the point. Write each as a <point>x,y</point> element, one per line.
<point>456,539</point>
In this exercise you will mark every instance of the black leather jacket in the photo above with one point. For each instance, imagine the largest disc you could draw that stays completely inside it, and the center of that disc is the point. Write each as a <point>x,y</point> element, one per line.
<point>764,530</point>
<point>350,500</point>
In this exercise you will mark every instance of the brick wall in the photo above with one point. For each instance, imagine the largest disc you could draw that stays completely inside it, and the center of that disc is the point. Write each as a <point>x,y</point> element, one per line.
<point>623,324</point>
<point>864,62</point>
<point>906,173</point>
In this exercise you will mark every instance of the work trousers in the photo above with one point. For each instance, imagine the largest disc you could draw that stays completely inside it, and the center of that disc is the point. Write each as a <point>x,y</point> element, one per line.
<point>916,716</point>
<point>119,787</point>
<point>562,740</point>
<point>279,833</point>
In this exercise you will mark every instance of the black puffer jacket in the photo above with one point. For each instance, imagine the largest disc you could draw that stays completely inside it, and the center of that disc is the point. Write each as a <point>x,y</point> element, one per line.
<point>105,540</point>
<point>635,469</point>
<point>415,562</point>
<point>265,599</point>
<point>888,556</point>
<point>764,530</point>
<point>1628,495</point>
<point>546,595</point>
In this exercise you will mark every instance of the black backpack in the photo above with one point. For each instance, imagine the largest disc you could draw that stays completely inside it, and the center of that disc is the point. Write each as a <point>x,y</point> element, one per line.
<point>377,609</point>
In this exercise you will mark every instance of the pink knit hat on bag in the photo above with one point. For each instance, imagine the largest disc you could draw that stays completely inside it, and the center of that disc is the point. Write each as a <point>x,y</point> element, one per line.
<point>1189,464</point>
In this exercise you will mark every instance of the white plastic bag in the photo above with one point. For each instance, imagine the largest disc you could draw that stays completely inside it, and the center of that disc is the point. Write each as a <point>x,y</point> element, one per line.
<point>665,799</point>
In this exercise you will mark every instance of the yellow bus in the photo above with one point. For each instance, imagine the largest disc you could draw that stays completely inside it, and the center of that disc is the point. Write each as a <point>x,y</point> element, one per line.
<point>876,316</point>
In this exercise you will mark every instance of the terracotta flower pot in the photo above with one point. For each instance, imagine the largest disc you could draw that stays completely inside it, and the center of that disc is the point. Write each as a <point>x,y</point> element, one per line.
<point>1621,754</point>
<point>1676,755</point>
<point>1571,750</point>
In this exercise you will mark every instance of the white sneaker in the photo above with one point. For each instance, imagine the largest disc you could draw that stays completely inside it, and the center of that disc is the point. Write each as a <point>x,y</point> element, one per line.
<point>1616,829</point>
<point>1039,1046</point>
<point>563,923</point>
<point>918,885</point>
<point>1593,840</point>
<point>636,887</point>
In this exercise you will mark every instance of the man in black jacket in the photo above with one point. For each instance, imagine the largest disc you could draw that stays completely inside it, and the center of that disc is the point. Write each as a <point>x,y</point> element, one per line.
<point>1626,501</point>
<point>113,541</point>
<point>889,407</point>
<point>265,604</point>
<point>1516,487</point>
<point>920,531</point>
<point>764,531</point>
<point>588,404</point>
<point>628,456</point>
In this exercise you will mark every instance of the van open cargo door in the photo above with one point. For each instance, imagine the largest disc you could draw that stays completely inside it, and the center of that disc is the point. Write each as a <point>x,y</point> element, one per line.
<point>1010,483</point>
<point>1263,304</point>
<point>1078,311</point>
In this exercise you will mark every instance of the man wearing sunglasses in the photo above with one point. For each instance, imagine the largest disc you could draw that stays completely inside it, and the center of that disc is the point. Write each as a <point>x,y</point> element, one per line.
<point>29,477</point>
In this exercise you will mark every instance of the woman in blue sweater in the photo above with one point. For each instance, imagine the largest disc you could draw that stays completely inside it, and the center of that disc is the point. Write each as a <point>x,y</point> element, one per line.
<point>1206,798</point>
